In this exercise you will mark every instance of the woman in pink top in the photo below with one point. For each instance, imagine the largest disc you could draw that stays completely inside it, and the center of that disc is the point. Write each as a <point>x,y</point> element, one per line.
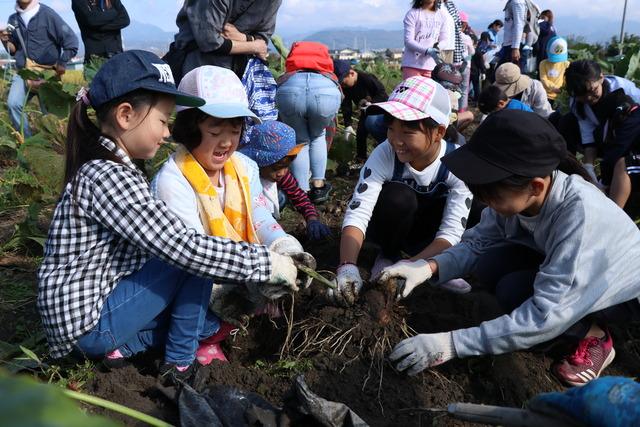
<point>425,25</point>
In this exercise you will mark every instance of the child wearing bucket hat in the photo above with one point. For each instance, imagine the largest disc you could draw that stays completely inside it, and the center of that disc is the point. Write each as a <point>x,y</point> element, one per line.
<point>560,257</point>
<point>121,272</point>
<point>553,68</point>
<point>406,199</point>
<point>272,145</point>
<point>216,191</point>
<point>523,88</point>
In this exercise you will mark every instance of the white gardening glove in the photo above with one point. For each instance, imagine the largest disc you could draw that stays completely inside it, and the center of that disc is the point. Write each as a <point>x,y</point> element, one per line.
<point>289,245</point>
<point>283,277</point>
<point>423,351</point>
<point>348,283</point>
<point>413,273</point>
<point>348,133</point>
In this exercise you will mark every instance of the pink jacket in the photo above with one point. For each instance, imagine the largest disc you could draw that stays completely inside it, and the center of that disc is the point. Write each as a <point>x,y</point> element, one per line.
<point>422,30</point>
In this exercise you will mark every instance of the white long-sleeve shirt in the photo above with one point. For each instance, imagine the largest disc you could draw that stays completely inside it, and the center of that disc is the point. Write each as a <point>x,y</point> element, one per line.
<point>422,30</point>
<point>171,186</point>
<point>515,16</point>
<point>378,170</point>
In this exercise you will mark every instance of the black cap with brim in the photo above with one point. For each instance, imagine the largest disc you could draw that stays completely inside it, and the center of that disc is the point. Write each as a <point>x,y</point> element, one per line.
<point>508,143</point>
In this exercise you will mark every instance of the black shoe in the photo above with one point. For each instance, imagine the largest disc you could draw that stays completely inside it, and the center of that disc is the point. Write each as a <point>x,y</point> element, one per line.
<point>169,375</point>
<point>111,364</point>
<point>320,194</point>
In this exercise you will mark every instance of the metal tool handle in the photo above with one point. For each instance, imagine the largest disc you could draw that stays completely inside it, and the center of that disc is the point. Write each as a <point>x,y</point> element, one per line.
<point>497,415</point>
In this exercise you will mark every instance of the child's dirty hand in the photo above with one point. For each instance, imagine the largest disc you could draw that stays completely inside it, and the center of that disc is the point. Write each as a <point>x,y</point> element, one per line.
<point>413,273</point>
<point>423,351</point>
<point>317,230</point>
<point>349,284</point>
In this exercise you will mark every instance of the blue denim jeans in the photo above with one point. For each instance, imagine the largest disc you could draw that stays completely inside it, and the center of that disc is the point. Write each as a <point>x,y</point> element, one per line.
<point>376,127</point>
<point>159,305</point>
<point>16,101</point>
<point>308,102</point>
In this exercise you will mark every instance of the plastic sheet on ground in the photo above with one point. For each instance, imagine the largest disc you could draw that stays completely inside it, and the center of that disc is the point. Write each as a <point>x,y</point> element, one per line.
<point>227,406</point>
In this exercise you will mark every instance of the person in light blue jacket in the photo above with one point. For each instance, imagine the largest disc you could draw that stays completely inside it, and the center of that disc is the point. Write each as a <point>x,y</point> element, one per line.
<point>560,257</point>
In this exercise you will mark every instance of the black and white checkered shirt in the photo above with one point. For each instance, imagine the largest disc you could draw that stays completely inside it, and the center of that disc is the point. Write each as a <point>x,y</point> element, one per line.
<point>459,50</point>
<point>107,230</point>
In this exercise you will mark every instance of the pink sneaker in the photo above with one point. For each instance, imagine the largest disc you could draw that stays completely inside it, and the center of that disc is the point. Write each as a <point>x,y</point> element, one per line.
<point>587,362</point>
<point>210,349</point>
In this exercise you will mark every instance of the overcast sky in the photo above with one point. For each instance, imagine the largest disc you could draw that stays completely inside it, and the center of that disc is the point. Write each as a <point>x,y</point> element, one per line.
<point>306,16</point>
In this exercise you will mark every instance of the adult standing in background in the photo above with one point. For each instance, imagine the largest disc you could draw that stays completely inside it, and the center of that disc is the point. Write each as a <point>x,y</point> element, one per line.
<point>515,16</point>
<point>225,33</point>
<point>100,22</point>
<point>51,43</point>
<point>458,47</point>
<point>425,26</point>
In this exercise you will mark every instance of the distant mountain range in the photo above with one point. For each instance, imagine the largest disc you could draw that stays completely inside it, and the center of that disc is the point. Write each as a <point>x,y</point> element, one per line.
<point>147,36</point>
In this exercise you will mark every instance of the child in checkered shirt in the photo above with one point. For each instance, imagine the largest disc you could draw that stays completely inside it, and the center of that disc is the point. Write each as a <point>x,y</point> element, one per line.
<point>406,200</point>
<point>121,273</point>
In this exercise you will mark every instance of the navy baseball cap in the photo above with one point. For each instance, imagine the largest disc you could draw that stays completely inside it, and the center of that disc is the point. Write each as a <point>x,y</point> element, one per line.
<point>341,68</point>
<point>133,70</point>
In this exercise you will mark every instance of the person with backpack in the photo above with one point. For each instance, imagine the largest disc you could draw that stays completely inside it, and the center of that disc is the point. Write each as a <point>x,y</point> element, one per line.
<point>121,272</point>
<point>308,98</point>
<point>40,40</point>
<point>101,23</point>
<point>560,257</point>
<point>425,32</point>
<point>361,89</point>
<point>406,199</point>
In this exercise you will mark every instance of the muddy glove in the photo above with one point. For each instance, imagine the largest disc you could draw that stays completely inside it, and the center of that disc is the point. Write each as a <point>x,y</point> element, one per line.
<point>317,230</point>
<point>432,52</point>
<point>289,245</point>
<point>283,277</point>
<point>413,273</point>
<point>348,132</point>
<point>348,283</point>
<point>423,351</point>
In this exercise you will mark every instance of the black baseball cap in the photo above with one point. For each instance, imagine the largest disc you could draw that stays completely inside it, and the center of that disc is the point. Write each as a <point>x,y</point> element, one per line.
<point>133,70</point>
<point>341,68</point>
<point>507,143</point>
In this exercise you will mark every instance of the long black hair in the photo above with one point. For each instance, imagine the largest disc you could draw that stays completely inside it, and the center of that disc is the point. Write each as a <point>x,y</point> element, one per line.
<point>491,191</point>
<point>83,134</point>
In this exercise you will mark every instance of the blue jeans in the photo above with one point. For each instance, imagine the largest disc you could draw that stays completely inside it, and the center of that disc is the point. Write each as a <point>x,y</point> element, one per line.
<point>158,305</point>
<point>376,127</point>
<point>16,101</point>
<point>308,102</point>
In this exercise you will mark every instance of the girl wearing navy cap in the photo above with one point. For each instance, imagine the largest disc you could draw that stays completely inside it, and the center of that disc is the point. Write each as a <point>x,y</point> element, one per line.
<point>560,257</point>
<point>121,272</point>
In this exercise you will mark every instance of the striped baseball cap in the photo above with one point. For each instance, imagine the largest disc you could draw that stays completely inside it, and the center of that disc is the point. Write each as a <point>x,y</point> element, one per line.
<point>417,98</point>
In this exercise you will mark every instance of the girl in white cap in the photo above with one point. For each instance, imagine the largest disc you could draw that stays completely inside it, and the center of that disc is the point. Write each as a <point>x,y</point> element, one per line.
<point>406,199</point>
<point>216,190</point>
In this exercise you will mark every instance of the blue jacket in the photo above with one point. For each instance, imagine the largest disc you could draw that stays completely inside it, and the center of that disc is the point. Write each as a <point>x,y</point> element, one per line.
<point>48,38</point>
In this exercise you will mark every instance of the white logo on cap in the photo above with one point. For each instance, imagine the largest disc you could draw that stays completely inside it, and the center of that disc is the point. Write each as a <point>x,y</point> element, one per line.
<point>165,73</point>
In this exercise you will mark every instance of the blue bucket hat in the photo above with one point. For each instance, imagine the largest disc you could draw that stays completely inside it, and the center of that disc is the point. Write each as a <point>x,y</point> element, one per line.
<point>270,142</point>
<point>557,50</point>
<point>133,70</point>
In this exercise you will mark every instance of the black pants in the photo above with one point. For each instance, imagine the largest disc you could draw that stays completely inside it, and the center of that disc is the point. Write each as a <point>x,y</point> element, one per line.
<point>404,220</point>
<point>509,272</point>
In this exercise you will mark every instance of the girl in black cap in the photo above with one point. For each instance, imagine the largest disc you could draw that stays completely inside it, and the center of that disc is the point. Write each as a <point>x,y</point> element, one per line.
<point>560,257</point>
<point>121,273</point>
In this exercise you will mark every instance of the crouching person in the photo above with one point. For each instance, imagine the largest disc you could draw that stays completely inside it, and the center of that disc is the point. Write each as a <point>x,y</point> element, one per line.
<point>121,272</point>
<point>272,145</point>
<point>560,256</point>
<point>406,199</point>
<point>217,191</point>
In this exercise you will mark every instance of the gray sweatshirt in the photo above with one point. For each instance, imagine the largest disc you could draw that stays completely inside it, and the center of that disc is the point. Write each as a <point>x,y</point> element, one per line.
<point>592,254</point>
